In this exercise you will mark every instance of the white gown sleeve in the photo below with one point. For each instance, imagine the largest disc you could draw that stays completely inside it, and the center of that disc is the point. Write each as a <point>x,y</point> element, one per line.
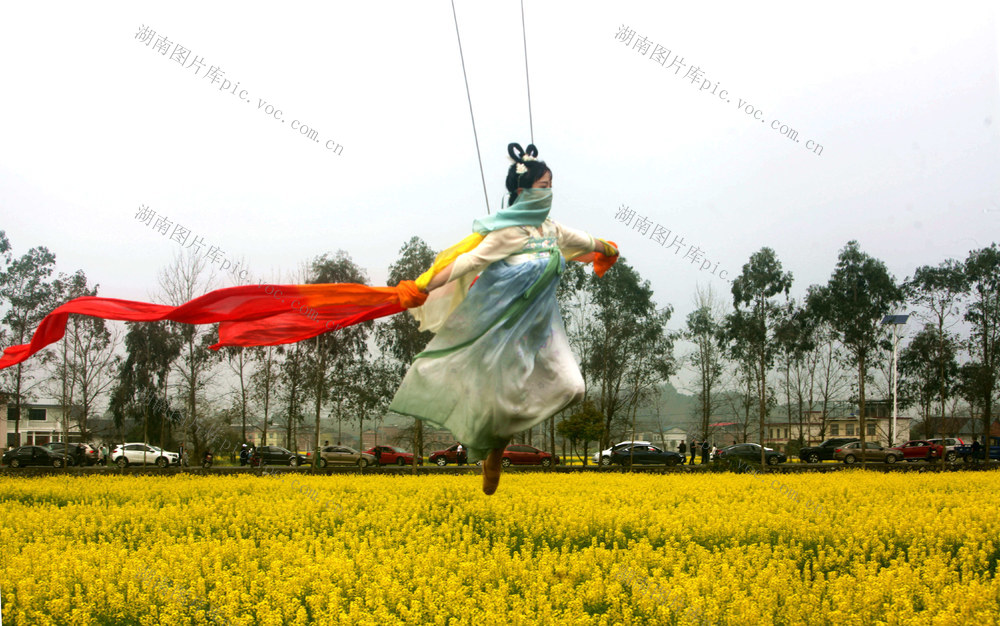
<point>573,242</point>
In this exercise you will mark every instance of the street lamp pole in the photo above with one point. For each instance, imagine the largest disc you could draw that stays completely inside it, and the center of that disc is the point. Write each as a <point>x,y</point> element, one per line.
<point>895,382</point>
<point>896,321</point>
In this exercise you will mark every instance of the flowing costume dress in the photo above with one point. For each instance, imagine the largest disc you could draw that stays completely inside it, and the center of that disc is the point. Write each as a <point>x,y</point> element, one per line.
<point>500,362</point>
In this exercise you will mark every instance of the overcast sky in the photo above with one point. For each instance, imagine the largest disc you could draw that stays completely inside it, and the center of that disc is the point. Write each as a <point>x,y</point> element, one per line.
<point>95,123</point>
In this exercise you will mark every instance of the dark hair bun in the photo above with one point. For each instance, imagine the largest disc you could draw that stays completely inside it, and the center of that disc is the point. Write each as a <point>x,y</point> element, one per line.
<point>516,152</point>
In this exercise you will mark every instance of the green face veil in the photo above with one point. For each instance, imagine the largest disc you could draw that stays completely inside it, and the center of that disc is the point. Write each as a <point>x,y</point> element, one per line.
<point>530,209</point>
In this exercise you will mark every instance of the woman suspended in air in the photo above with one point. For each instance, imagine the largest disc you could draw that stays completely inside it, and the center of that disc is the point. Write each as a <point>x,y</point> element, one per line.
<point>500,362</point>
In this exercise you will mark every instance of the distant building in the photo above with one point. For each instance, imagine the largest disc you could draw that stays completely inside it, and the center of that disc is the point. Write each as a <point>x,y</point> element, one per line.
<point>384,436</point>
<point>437,439</point>
<point>40,424</point>
<point>669,439</point>
<point>434,438</point>
<point>878,426</point>
<point>962,427</point>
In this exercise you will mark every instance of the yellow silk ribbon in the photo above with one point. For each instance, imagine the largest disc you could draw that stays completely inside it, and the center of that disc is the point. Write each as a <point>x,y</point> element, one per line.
<point>446,257</point>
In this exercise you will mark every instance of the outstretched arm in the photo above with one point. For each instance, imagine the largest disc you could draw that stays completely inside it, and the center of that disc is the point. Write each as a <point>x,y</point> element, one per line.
<point>440,278</point>
<point>497,245</point>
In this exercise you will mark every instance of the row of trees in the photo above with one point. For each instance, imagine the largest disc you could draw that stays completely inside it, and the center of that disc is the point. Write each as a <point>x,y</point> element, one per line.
<point>805,344</point>
<point>746,349</point>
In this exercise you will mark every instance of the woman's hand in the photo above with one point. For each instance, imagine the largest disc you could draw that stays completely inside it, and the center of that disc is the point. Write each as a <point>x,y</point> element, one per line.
<point>606,248</point>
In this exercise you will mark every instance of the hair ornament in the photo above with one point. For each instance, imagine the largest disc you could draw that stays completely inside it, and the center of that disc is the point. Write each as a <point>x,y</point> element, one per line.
<point>520,155</point>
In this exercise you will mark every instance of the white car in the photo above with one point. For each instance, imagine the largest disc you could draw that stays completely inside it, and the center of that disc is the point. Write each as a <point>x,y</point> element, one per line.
<point>140,453</point>
<point>604,457</point>
<point>950,443</point>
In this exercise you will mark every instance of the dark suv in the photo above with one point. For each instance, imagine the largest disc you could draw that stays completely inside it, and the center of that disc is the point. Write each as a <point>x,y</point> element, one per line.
<point>74,453</point>
<point>824,451</point>
<point>276,455</point>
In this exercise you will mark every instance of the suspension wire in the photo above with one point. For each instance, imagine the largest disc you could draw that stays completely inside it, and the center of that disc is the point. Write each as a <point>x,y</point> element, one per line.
<point>524,37</point>
<point>469,95</point>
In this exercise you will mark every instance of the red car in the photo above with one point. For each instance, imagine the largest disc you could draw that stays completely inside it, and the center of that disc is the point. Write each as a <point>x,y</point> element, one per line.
<point>451,455</point>
<point>521,454</point>
<point>920,449</point>
<point>390,455</point>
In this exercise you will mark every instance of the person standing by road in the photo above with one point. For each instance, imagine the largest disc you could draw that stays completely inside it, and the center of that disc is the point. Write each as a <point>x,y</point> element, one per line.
<point>694,449</point>
<point>705,447</point>
<point>682,449</point>
<point>977,449</point>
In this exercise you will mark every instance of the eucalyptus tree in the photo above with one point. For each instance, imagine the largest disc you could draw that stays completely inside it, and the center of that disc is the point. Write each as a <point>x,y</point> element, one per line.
<point>372,387</point>
<point>240,360</point>
<point>973,379</point>
<point>929,369</point>
<point>89,358</point>
<point>140,392</point>
<point>186,278</point>
<point>938,292</point>
<point>795,334</point>
<point>399,335</point>
<point>263,384</point>
<point>750,330</point>
<point>628,349</point>
<point>831,380</point>
<point>5,259</point>
<point>28,292</point>
<point>857,297</point>
<point>582,426</point>
<point>574,300</point>
<point>704,329</point>
<point>331,351</point>
<point>982,271</point>
<point>292,389</point>
<point>742,398</point>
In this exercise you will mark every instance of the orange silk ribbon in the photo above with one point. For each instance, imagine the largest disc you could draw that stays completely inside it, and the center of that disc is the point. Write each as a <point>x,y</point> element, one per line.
<point>250,315</point>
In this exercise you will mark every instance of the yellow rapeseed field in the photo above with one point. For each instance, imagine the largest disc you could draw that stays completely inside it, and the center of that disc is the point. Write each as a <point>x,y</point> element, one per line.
<point>842,548</point>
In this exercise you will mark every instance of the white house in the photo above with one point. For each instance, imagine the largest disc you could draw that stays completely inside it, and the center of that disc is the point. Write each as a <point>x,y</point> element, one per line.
<point>40,423</point>
<point>669,439</point>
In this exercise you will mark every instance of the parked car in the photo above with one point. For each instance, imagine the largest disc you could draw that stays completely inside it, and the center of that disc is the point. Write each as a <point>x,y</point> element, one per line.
<point>141,453</point>
<point>32,455</point>
<point>920,450</point>
<point>77,454</point>
<point>604,456</point>
<point>965,450</point>
<point>343,455</point>
<point>642,454</point>
<point>276,455</point>
<point>391,455</point>
<point>850,453</point>
<point>450,455</point>
<point>951,445</point>
<point>824,451</point>
<point>522,454</point>
<point>749,453</point>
